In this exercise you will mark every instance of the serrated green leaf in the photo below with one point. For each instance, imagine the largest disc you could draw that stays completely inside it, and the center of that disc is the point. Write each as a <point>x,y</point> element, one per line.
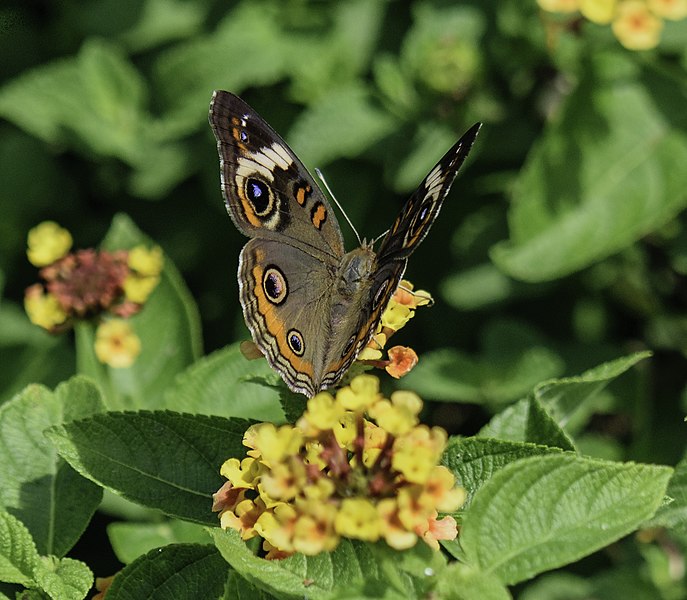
<point>475,460</point>
<point>53,501</point>
<point>542,428</point>
<point>161,460</point>
<point>179,571</point>
<point>540,513</point>
<point>600,178</point>
<point>353,570</point>
<point>560,399</point>
<point>18,554</point>
<point>564,397</point>
<point>65,579</point>
<point>131,540</point>
<point>513,360</point>
<point>225,383</point>
<point>460,582</point>
<point>237,588</point>
<point>168,326</point>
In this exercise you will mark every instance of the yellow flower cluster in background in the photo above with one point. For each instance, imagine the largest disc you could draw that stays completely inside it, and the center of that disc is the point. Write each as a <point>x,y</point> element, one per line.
<point>636,23</point>
<point>91,285</point>
<point>355,465</point>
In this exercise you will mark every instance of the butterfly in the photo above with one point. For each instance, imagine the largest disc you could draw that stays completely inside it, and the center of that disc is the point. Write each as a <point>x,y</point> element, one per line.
<point>310,306</point>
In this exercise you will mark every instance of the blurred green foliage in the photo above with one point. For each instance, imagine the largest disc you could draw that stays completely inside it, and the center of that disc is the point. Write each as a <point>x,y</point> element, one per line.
<point>562,245</point>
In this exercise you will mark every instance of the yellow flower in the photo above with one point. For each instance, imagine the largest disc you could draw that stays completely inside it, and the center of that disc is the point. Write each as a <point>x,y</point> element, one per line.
<point>440,529</point>
<point>394,532</point>
<point>323,411</point>
<point>396,315</point>
<point>147,263</point>
<point>314,531</point>
<point>284,480</point>
<point>137,288</point>
<point>272,445</point>
<point>242,474</point>
<point>673,10</point>
<point>47,243</point>
<point>357,518</point>
<point>635,26</point>
<point>416,452</point>
<point>598,11</point>
<point>277,525</point>
<point>43,309</point>
<point>362,392</point>
<point>441,487</point>
<point>345,430</point>
<point>397,420</point>
<point>560,6</point>
<point>116,344</point>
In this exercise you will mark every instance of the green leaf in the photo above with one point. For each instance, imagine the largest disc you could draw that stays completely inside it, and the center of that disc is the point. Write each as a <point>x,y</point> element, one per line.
<point>556,402</point>
<point>600,178</point>
<point>460,582</point>
<point>168,326</point>
<point>161,460</point>
<point>237,588</point>
<point>474,461</point>
<point>565,397</point>
<point>673,514</point>
<point>514,359</point>
<point>543,512</point>
<point>97,96</point>
<point>353,570</point>
<point>65,579</point>
<point>131,540</point>
<point>477,287</point>
<point>179,571</point>
<point>18,554</point>
<point>186,74</point>
<point>559,586</point>
<point>347,123</point>
<point>46,494</point>
<point>225,383</point>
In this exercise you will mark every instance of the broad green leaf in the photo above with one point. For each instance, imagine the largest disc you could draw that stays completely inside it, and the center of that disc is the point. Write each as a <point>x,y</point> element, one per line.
<point>65,579</point>
<point>353,570</point>
<point>18,554</point>
<point>460,582</point>
<point>514,359</point>
<point>168,326</point>
<point>161,460</point>
<point>179,571</point>
<point>237,588</point>
<point>542,428</point>
<point>225,383</point>
<point>131,540</point>
<point>601,177</point>
<point>560,399</point>
<point>53,501</point>
<point>543,512</point>
<point>564,397</point>
<point>475,460</point>
<point>347,123</point>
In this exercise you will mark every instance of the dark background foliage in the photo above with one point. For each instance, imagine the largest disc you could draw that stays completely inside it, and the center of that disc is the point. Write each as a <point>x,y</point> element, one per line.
<point>561,245</point>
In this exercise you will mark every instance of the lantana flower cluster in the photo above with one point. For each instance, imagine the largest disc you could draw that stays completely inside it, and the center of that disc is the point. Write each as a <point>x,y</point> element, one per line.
<point>637,24</point>
<point>356,465</point>
<point>108,286</point>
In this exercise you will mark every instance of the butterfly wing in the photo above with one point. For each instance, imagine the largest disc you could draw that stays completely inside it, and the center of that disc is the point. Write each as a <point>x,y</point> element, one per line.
<point>267,190</point>
<point>422,208</point>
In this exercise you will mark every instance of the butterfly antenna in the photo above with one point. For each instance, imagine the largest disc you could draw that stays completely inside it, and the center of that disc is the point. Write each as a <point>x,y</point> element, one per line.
<point>379,237</point>
<point>343,212</point>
